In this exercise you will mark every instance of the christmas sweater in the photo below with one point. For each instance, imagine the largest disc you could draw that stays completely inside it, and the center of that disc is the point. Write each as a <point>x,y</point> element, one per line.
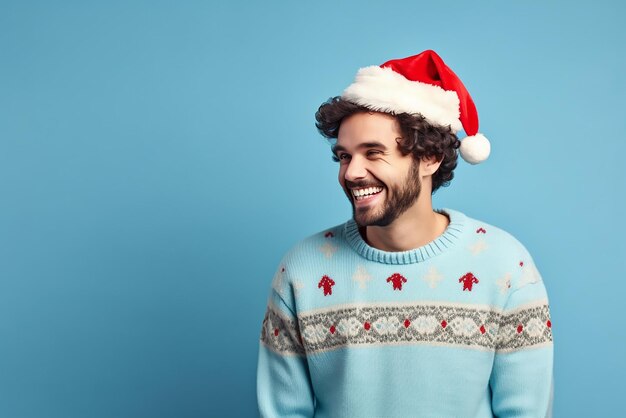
<point>459,327</point>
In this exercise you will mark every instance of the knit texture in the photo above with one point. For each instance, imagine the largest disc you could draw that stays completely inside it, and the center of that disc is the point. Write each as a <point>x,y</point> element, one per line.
<point>459,327</point>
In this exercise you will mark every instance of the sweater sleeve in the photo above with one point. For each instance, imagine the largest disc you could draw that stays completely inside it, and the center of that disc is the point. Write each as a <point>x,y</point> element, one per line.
<point>283,382</point>
<point>521,380</point>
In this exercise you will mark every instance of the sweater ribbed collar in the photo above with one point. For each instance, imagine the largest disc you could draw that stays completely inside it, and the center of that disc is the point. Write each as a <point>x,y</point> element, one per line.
<point>439,245</point>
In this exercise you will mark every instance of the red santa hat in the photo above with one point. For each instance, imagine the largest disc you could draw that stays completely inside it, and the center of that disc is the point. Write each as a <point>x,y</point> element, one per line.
<point>422,84</point>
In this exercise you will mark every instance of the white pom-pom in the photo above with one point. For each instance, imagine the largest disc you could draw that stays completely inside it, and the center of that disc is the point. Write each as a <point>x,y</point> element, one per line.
<point>475,149</point>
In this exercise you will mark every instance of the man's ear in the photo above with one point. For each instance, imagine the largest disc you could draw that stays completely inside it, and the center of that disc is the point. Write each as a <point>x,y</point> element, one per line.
<point>429,165</point>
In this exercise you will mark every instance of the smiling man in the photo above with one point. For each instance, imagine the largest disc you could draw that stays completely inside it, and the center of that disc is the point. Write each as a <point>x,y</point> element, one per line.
<point>382,179</point>
<point>404,310</point>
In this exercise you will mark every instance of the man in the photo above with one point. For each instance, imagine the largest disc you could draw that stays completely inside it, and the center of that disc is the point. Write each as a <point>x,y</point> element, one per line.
<point>405,311</point>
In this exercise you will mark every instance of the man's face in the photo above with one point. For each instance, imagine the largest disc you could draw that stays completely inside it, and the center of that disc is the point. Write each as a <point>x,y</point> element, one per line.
<point>379,181</point>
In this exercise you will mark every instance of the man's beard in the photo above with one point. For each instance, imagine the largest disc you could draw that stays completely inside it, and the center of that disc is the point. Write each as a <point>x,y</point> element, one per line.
<point>395,204</point>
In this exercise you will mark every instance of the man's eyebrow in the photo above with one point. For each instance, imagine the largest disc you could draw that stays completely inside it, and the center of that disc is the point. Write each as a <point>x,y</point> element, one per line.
<point>373,144</point>
<point>336,148</point>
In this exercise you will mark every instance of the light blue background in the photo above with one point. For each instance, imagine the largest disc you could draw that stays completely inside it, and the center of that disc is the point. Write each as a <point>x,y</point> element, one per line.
<point>157,159</point>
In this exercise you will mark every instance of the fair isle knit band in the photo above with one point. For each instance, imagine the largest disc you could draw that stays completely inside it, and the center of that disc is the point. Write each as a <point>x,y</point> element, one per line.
<point>441,324</point>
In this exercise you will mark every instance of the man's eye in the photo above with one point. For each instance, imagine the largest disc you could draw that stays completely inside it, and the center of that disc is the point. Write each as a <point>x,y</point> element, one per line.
<point>373,152</point>
<point>342,157</point>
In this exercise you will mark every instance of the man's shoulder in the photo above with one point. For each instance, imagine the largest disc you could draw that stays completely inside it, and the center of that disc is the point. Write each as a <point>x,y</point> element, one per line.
<point>503,252</point>
<point>499,250</point>
<point>302,258</point>
<point>321,242</point>
<point>499,237</point>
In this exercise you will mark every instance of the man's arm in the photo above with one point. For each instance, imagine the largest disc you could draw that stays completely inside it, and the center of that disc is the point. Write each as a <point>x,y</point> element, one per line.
<point>283,382</point>
<point>521,379</point>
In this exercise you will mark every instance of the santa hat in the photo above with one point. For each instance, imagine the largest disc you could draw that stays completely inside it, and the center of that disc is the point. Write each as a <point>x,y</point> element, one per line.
<point>422,84</point>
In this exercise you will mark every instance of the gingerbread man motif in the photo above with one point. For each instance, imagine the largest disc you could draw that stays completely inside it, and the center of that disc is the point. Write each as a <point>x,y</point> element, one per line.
<point>327,283</point>
<point>468,281</point>
<point>397,279</point>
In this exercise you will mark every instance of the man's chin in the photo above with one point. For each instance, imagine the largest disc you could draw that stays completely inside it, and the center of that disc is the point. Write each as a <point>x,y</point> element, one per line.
<point>362,219</point>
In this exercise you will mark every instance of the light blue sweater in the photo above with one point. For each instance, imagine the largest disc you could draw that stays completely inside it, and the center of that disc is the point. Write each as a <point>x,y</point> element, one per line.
<point>457,328</point>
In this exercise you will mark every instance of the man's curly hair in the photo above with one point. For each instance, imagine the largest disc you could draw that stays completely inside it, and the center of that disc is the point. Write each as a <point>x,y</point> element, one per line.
<point>419,137</point>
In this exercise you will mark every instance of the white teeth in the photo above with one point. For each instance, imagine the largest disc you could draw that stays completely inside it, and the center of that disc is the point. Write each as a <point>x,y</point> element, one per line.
<point>366,191</point>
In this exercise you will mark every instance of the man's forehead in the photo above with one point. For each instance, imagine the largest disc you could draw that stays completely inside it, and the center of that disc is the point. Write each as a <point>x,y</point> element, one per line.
<point>367,127</point>
<point>360,145</point>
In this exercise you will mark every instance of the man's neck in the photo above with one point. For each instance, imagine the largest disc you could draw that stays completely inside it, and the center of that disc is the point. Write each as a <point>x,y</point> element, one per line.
<point>416,227</point>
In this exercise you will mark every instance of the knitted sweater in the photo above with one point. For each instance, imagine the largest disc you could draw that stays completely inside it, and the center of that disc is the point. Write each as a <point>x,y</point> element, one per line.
<point>459,327</point>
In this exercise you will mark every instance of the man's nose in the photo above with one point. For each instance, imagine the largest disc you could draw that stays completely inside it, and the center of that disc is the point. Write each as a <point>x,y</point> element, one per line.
<point>356,169</point>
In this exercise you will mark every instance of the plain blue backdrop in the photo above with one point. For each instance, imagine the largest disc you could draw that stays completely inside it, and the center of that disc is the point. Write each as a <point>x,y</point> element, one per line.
<point>158,158</point>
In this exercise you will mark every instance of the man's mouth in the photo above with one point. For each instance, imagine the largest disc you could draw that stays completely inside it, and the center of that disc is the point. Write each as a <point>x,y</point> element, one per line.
<point>365,192</point>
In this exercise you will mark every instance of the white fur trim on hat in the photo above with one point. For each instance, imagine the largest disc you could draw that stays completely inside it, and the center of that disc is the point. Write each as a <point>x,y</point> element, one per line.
<point>475,149</point>
<point>382,89</point>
